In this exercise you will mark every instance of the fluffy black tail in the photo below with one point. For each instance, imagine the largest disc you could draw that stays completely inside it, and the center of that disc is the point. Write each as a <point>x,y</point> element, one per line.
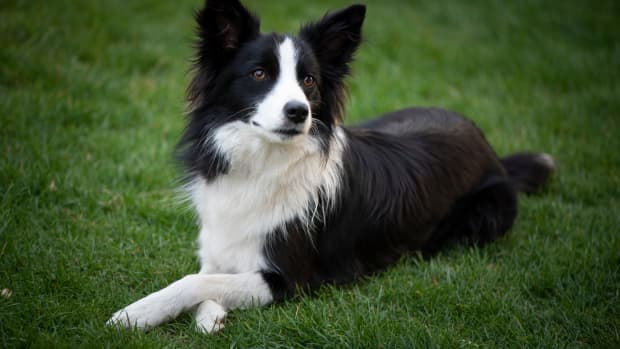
<point>528,172</point>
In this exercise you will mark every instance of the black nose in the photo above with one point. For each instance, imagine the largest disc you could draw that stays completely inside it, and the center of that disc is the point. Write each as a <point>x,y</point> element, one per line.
<point>296,111</point>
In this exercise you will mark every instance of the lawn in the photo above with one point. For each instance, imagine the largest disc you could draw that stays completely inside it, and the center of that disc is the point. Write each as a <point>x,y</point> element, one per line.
<point>92,103</point>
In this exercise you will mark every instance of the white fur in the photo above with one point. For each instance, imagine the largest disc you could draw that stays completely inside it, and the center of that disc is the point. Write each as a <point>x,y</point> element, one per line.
<point>547,160</point>
<point>270,111</point>
<point>267,185</point>
<point>210,317</point>
<point>229,291</point>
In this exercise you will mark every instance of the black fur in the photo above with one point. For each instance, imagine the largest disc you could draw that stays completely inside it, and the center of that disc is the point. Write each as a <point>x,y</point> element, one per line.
<point>413,180</point>
<point>527,171</point>
<point>334,40</point>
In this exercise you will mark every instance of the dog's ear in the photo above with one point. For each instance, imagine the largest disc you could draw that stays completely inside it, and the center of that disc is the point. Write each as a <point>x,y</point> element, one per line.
<point>223,26</point>
<point>335,38</point>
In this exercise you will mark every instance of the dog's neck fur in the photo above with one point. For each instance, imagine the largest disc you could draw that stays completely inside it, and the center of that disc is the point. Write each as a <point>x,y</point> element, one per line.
<point>267,185</point>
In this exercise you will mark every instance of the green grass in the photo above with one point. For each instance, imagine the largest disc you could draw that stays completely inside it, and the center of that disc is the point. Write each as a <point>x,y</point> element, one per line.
<point>91,105</point>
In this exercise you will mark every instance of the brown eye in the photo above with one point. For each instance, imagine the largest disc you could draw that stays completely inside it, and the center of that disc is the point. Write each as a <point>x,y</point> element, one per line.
<point>259,74</point>
<point>309,81</point>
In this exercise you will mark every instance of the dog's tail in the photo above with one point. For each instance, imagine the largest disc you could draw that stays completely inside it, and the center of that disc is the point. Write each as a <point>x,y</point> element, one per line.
<point>528,172</point>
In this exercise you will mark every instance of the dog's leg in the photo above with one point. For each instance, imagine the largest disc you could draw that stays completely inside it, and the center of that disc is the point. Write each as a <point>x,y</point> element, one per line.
<point>225,291</point>
<point>209,316</point>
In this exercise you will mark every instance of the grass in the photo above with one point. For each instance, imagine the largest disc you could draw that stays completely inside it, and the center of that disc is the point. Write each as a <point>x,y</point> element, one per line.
<point>91,105</point>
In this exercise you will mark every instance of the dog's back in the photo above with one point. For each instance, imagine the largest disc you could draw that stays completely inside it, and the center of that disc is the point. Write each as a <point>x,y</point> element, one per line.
<point>487,208</point>
<point>416,119</point>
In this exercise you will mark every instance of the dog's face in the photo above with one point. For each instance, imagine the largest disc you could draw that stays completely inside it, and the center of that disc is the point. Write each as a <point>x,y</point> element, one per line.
<point>273,80</point>
<point>280,86</point>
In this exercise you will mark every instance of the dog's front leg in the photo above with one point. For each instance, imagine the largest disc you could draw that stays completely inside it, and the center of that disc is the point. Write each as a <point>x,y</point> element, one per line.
<point>210,316</point>
<point>228,291</point>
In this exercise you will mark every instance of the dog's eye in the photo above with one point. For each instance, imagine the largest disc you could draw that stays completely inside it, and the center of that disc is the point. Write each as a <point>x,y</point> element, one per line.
<point>309,81</point>
<point>259,74</point>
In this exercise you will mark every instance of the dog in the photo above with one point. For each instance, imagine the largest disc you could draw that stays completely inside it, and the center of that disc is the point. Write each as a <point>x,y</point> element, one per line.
<point>289,199</point>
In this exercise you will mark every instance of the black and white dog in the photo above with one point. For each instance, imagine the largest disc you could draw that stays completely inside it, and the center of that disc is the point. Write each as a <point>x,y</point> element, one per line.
<point>289,199</point>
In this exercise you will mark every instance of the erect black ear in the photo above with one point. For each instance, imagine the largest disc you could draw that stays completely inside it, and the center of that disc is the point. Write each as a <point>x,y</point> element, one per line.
<point>223,26</point>
<point>335,38</point>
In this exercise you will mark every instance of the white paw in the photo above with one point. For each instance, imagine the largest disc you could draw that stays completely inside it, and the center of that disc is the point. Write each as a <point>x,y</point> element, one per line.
<point>210,317</point>
<point>145,313</point>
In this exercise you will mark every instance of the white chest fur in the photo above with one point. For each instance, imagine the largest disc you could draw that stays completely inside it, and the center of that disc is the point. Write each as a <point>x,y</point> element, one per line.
<point>267,185</point>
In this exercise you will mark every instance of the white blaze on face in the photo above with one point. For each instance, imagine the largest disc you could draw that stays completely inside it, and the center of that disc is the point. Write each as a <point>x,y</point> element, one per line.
<point>270,111</point>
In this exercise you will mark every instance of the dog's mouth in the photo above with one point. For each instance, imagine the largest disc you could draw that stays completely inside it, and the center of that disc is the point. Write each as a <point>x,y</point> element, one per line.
<point>283,132</point>
<point>288,132</point>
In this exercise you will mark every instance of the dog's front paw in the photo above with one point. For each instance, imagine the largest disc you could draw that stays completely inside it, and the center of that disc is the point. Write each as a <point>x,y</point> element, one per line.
<point>210,317</point>
<point>146,313</point>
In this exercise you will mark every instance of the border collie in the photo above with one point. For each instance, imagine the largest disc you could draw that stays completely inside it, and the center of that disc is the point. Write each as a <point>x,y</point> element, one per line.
<point>288,199</point>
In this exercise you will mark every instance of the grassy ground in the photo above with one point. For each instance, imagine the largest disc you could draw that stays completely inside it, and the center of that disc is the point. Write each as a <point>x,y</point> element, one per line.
<point>91,105</point>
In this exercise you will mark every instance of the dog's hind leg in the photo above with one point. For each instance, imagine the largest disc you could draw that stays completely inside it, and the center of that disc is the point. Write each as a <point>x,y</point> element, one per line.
<point>224,291</point>
<point>491,211</point>
<point>479,217</point>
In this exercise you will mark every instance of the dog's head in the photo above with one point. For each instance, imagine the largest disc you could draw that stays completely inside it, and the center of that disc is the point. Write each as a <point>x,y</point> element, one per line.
<point>281,86</point>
